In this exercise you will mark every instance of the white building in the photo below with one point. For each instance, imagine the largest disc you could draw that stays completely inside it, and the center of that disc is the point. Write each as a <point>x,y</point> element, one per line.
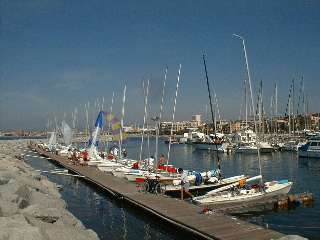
<point>196,119</point>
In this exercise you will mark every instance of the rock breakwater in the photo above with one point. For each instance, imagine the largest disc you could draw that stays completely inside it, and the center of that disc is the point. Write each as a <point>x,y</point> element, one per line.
<point>30,205</point>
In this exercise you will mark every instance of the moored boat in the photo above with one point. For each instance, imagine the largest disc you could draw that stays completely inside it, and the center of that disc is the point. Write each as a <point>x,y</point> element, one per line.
<point>234,195</point>
<point>311,149</point>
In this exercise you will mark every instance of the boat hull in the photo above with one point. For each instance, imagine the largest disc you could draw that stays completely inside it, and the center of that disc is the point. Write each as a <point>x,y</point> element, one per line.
<point>172,190</point>
<point>228,199</point>
<point>247,150</point>
<point>209,146</point>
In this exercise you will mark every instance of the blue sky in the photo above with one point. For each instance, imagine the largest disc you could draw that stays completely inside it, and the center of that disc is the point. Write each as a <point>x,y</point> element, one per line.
<point>57,55</point>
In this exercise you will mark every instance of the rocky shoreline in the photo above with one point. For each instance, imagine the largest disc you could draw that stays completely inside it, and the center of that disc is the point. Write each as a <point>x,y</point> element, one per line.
<point>30,205</point>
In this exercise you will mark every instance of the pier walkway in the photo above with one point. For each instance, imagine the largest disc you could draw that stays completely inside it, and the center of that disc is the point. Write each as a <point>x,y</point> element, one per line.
<point>174,211</point>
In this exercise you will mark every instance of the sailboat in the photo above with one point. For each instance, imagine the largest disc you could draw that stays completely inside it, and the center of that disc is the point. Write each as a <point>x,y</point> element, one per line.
<point>216,141</point>
<point>241,192</point>
<point>207,180</point>
<point>236,193</point>
<point>107,165</point>
<point>167,167</point>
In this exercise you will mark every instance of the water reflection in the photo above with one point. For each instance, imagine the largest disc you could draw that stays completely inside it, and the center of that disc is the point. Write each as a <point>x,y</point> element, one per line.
<point>312,164</point>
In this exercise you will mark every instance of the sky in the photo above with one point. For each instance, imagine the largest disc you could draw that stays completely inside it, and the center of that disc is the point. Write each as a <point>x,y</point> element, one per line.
<point>58,55</point>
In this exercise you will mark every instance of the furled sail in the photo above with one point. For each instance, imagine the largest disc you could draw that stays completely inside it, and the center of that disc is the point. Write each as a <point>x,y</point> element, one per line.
<point>67,133</point>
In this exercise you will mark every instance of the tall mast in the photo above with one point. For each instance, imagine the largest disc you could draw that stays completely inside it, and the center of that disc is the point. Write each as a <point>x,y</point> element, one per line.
<point>300,99</point>
<point>271,113</point>
<point>293,113</point>
<point>122,117</point>
<point>276,107</point>
<point>146,92</point>
<point>158,121</point>
<point>173,113</point>
<point>87,120</point>
<point>252,105</point>
<point>206,119</point>
<point>110,119</point>
<point>289,120</point>
<point>245,101</point>
<point>212,117</point>
<point>209,92</point>
<point>249,78</point>
<point>305,111</point>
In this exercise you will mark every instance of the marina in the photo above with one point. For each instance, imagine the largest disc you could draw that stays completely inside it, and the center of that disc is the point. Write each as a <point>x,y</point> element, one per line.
<point>181,214</point>
<point>159,120</point>
<point>133,186</point>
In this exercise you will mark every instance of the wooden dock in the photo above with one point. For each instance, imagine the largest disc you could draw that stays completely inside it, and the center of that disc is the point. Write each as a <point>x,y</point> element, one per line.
<point>176,212</point>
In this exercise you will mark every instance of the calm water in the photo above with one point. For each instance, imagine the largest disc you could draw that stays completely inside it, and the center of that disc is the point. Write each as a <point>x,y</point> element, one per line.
<point>113,220</point>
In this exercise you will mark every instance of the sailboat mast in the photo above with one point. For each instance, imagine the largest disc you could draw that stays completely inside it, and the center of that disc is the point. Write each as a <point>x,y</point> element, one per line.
<point>276,107</point>
<point>249,78</point>
<point>209,92</point>
<point>146,92</point>
<point>110,119</point>
<point>245,101</point>
<point>173,113</point>
<point>252,105</point>
<point>289,120</point>
<point>293,113</point>
<point>158,121</point>
<point>122,117</point>
<point>212,117</point>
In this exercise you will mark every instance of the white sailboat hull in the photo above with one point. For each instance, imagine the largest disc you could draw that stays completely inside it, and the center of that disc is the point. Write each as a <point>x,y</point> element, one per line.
<point>277,189</point>
<point>108,166</point>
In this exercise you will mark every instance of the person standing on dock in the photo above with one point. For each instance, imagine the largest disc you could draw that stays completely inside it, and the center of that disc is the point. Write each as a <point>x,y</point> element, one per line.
<point>185,184</point>
<point>85,155</point>
<point>162,161</point>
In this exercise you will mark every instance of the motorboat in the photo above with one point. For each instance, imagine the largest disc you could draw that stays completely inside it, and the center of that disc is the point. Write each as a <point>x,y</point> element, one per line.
<point>311,149</point>
<point>212,142</point>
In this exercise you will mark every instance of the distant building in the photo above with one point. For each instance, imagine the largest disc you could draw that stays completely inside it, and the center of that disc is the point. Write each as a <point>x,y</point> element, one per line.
<point>235,127</point>
<point>315,119</point>
<point>196,120</point>
<point>178,127</point>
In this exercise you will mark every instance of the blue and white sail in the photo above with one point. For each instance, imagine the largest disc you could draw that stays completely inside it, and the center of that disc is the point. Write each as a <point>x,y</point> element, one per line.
<point>94,141</point>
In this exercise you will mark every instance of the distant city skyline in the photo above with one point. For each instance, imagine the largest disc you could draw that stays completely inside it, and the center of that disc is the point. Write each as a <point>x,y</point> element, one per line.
<point>60,55</point>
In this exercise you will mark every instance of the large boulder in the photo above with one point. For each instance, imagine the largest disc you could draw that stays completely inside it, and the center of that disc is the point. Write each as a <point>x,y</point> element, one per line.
<point>66,233</point>
<point>43,213</point>
<point>16,227</point>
